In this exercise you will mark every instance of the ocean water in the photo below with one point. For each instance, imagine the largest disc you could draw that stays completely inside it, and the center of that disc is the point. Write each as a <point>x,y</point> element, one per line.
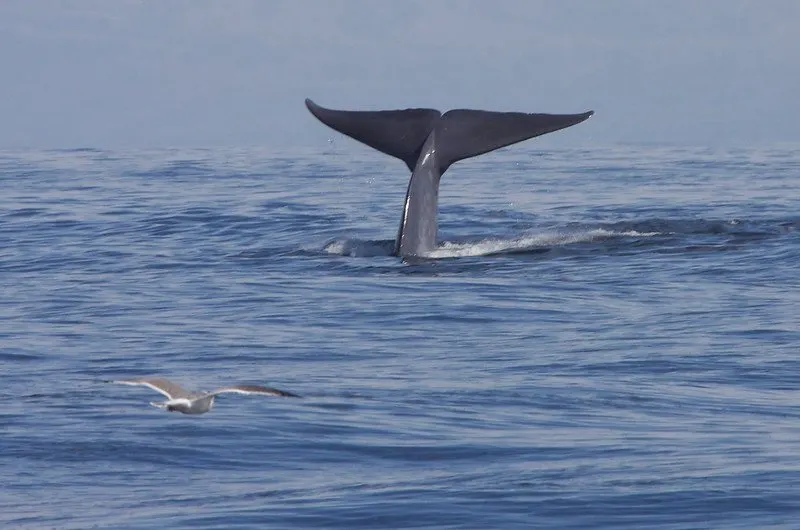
<point>605,338</point>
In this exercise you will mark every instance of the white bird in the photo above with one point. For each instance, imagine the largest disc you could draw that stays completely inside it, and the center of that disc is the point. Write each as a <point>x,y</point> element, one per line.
<point>188,402</point>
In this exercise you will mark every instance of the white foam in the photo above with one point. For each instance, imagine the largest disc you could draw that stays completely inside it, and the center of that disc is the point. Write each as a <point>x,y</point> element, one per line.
<point>484,247</point>
<point>528,242</point>
<point>355,248</point>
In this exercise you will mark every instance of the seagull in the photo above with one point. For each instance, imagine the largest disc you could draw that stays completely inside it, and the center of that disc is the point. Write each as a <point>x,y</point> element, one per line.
<point>188,402</point>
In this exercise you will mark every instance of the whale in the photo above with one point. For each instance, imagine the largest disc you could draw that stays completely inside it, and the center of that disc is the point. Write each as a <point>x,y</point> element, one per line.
<point>429,142</point>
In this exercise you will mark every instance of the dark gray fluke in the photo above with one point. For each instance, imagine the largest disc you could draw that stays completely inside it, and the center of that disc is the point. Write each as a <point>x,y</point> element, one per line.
<point>429,142</point>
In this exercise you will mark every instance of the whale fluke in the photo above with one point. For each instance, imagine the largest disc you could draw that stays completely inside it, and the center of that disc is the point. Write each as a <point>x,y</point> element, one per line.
<point>397,133</point>
<point>429,143</point>
<point>464,133</point>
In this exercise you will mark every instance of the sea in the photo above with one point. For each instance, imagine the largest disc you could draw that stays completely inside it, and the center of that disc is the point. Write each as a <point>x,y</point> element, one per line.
<point>605,337</point>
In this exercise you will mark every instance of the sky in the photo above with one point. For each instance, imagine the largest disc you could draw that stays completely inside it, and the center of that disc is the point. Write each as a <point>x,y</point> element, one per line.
<point>204,73</point>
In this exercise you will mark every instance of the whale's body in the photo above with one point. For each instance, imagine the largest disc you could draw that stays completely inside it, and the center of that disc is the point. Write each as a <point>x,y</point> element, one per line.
<point>429,142</point>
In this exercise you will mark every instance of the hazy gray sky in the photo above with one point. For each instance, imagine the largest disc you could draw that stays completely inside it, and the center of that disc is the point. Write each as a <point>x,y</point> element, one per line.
<point>150,73</point>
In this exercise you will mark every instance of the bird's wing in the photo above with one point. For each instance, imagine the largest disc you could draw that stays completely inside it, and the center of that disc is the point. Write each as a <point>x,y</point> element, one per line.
<point>254,389</point>
<point>159,384</point>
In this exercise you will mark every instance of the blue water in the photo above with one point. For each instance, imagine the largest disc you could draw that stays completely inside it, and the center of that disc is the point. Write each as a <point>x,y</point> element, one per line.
<point>606,338</point>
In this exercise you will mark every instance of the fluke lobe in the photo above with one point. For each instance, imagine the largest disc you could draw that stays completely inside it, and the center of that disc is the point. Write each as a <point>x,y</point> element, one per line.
<point>429,142</point>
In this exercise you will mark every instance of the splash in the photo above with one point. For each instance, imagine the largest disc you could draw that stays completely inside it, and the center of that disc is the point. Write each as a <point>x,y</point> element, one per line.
<point>485,247</point>
<point>356,248</point>
<point>528,243</point>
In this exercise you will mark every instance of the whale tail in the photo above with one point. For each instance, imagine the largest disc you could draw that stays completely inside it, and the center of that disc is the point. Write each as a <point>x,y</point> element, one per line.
<point>429,142</point>
<point>460,133</point>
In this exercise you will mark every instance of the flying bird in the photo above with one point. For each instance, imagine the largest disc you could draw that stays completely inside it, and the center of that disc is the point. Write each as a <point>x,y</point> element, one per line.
<point>192,402</point>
